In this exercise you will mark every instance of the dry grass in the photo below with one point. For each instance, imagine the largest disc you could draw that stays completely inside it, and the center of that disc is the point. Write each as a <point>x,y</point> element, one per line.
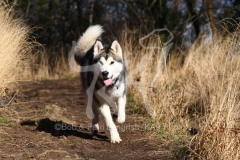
<point>23,58</point>
<point>14,46</point>
<point>201,94</point>
<point>51,64</point>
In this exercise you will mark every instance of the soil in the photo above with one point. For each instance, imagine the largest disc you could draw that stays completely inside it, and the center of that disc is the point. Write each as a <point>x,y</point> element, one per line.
<point>47,120</point>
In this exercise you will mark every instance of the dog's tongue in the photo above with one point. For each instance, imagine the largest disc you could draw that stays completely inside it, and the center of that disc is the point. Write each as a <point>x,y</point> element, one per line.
<point>108,82</point>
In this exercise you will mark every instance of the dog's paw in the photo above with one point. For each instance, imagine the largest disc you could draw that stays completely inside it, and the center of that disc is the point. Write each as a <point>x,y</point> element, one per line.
<point>121,118</point>
<point>95,129</point>
<point>114,115</point>
<point>116,140</point>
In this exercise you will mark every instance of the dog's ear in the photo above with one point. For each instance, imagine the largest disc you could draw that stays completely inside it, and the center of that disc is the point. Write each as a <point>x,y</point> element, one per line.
<point>97,48</point>
<point>116,48</point>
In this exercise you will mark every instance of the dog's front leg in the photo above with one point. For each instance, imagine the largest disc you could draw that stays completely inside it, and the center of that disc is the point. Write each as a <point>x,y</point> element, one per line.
<point>121,109</point>
<point>105,110</point>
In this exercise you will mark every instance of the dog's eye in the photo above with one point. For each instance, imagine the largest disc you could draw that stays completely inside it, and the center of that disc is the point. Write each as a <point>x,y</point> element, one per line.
<point>100,62</point>
<point>112,62</point>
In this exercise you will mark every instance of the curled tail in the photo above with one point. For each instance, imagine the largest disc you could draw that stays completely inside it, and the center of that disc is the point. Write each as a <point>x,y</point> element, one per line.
<point>87,40</point>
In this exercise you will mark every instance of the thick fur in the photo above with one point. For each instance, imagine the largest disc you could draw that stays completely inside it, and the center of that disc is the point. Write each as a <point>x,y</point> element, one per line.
<point>103,77</point>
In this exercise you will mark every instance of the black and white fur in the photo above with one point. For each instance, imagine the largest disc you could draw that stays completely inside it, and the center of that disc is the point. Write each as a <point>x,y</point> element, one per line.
<point>110,87</point>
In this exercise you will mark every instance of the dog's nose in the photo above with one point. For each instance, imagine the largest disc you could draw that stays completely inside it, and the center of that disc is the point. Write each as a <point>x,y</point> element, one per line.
<point>105,73</point>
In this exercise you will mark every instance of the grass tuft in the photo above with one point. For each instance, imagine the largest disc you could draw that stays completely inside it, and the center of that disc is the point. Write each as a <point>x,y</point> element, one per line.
<point>14,48</point>
<point>4,120</point>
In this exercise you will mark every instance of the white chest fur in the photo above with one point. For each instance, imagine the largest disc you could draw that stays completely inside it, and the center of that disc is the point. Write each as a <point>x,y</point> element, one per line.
<point>116,92</point>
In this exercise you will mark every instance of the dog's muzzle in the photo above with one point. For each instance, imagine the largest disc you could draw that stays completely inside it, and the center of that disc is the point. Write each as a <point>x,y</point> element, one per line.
<point>105,74</point>
<point>107,81</point>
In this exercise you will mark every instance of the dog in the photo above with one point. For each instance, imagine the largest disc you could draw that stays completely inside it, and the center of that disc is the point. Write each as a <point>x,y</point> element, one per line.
<point>103,77</point>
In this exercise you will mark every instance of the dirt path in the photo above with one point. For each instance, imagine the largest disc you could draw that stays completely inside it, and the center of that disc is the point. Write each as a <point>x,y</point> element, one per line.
<point>48,121</point>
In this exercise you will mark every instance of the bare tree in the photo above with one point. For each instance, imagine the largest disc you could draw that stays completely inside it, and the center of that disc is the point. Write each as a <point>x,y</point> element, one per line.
<point>91,12</point>
<point>210,12</point>
<point>194,16</point>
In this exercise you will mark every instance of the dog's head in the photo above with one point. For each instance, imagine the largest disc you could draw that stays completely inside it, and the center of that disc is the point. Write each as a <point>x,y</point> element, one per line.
<point>109,61</point>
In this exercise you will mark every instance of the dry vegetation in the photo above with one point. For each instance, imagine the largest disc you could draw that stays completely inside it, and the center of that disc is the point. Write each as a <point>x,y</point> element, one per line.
<point>24,59</point>
<point>51,64</point>
<point>196,97</point>
<point>13,49</point>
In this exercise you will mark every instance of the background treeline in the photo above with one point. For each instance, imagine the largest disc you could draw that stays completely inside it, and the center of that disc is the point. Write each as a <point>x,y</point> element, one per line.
<point>58,23</point>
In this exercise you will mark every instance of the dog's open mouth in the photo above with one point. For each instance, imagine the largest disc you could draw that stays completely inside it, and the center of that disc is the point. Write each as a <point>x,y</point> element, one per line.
<point>107,81</point>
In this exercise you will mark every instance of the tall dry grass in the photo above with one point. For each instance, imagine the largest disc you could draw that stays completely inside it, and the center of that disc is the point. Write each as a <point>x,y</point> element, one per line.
<point>215,71</point>
<point>51,64</point>
<point>197,95</point>
<point>14,46</point>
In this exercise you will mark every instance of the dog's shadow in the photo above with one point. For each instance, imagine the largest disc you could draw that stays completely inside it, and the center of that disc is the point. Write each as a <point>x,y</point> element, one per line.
<point>59,128</point>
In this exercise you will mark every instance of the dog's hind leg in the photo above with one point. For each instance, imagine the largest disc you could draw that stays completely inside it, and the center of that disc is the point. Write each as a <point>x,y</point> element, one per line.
<point>115,110</point>
<point>105,110</point>
<point>95,120</point>
<point>121,109</point>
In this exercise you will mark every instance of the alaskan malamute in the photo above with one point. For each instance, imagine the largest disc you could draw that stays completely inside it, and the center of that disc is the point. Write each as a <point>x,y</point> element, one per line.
<point>103,79</point>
